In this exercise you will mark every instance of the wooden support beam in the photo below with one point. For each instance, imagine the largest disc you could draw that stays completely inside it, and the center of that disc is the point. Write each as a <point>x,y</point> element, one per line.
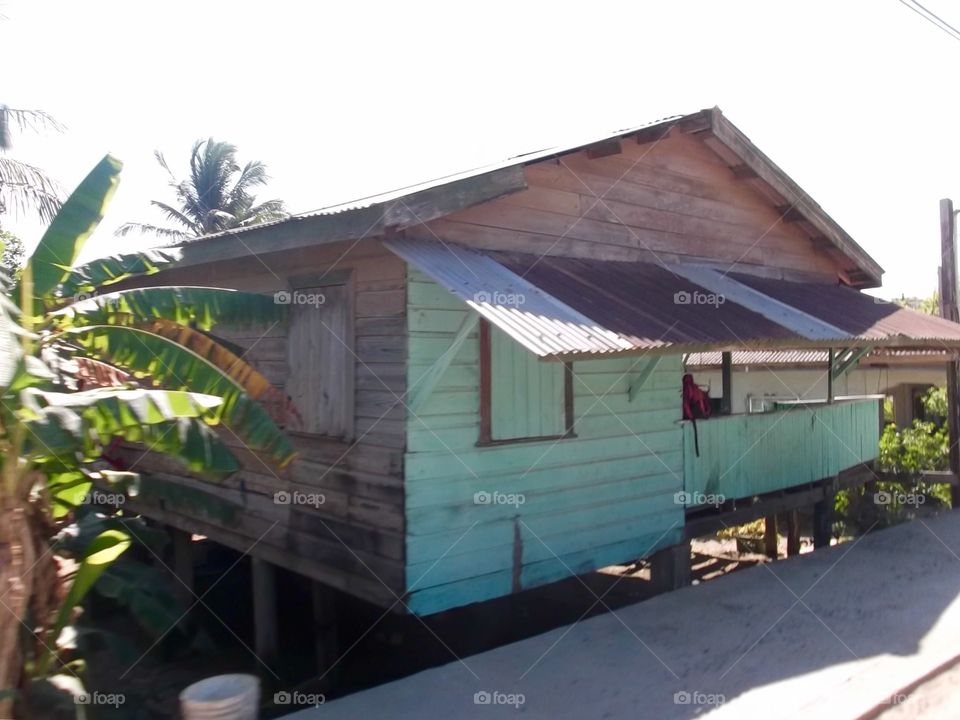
<point>183,566</point>
<point>770,537</point>
<point>823,520</point>
<point>670,567</point>
<point>266,635</point>
<point>830,375</point>
<point>842,368</point>
<point>326,640</point>
<point>793,533</point>
<point>950,310</point>
<point>653,134</point>
<point>604,149</point>
<point>424,387</point>
<point>726,374</point>
<point>743,172</point>
<point>790,213</point>
<point>646,370</point>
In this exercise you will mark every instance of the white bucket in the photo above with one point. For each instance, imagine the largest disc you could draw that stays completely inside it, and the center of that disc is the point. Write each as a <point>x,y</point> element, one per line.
<point>222,697</point>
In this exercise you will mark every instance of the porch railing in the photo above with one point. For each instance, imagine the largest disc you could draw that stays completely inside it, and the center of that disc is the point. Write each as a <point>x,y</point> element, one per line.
<point>745,455</point>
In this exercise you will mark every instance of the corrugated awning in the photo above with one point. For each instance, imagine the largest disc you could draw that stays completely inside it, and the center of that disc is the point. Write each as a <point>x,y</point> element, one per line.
<point>817,358</point>
<point>567,308</point>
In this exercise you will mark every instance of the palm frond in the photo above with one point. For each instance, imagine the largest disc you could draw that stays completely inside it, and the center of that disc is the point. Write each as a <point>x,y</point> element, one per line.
<point>33,120</point>
<point>147,229</point>
<point>175,215</point>
<point>26,188</point>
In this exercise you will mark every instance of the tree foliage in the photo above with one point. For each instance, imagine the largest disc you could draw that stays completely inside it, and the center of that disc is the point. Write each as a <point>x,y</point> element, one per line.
<point>80,372</point>
<point>217,195</point>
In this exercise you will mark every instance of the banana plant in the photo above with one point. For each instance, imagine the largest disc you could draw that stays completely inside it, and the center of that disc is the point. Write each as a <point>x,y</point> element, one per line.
<point>82,367</point>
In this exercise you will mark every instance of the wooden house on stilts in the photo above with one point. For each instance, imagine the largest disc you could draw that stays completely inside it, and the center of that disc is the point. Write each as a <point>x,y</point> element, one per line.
<point>488,369</point>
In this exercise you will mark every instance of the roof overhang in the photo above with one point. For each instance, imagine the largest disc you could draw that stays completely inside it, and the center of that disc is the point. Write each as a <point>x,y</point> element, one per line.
<point>573,308</point>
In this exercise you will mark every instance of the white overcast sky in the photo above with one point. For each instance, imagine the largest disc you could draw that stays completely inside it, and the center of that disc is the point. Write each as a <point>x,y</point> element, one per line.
<point>856,100</point>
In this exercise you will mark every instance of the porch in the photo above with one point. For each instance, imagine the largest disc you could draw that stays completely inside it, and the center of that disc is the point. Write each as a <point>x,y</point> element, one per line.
<point>741,456</point>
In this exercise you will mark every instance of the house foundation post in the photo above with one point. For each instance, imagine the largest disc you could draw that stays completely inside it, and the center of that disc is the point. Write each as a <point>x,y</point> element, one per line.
<point>266,636</point>
<point>670,567</point>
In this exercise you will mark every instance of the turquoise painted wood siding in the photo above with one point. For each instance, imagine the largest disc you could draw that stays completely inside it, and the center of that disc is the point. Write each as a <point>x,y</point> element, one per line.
<point>482,522</point>
<point>746,455</point>
<point>527,396</point>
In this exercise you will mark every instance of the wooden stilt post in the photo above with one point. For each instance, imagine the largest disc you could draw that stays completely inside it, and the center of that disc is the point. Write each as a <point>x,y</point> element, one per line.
<point>670,567</point>
<point>830,360</point>
<point>265,611</point>
<point>325,631</point>
<point>823,520</point>
<point>793,533</point>
<point>726,372</point>
<point>950,311</point>
<point>183,563</point>
<point>770,536</point>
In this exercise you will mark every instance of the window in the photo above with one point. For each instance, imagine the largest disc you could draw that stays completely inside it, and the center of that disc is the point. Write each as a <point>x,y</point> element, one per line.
<point>522,397</point>
<point>320,354</point>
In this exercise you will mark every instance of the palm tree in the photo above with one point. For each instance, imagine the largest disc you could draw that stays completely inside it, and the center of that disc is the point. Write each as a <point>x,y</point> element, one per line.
<point>217,195</point>
<point>22,186</point>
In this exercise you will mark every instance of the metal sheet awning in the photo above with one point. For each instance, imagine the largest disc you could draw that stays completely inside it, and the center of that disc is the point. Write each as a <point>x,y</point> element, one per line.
<point>571,308</point>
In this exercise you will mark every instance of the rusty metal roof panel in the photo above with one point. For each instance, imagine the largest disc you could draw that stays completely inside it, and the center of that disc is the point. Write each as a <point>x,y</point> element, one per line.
<point>645,302</point>
<point>562,307</point>
<point>859,314</point>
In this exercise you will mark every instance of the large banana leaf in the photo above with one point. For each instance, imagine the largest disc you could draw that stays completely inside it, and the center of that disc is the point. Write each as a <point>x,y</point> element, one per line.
<point>106,548</point>
<point>68,425</point>
<point>64,239</point>
<point>168,358</point>
<point>203,307</point>
<point>88,278</point>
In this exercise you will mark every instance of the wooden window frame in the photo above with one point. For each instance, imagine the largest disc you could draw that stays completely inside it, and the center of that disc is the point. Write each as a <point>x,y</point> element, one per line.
<point>486,395</point>
<point>334,278</point>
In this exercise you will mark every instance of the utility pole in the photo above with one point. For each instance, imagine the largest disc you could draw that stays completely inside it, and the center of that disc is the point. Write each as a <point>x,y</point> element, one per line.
<point>950,311</point>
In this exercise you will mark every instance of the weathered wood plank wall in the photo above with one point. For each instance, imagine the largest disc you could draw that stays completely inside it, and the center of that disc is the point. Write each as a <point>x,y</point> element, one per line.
<point>671,201</point>
<point>354,540</point>
<point>605,496</point>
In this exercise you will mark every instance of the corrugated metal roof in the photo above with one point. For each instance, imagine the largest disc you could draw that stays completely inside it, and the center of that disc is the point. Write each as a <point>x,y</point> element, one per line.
<point>560,307</point>
<point>860,315</point>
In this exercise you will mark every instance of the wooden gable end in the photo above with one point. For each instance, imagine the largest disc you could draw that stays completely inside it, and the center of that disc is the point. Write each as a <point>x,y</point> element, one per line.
<point>671,198</point>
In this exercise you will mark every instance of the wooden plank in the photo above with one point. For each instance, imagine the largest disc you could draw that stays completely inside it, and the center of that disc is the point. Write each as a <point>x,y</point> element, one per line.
<point>425,385</point>
<point>603,149</point>
<point>643,374</point>
<point>321,361</point>
<point>726,375</point>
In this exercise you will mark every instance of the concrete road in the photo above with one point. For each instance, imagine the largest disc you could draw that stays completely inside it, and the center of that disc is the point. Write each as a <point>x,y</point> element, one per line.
<point>830,634</point>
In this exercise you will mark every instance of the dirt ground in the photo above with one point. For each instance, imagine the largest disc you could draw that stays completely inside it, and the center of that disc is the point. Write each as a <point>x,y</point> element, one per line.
<point>397,647</point>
